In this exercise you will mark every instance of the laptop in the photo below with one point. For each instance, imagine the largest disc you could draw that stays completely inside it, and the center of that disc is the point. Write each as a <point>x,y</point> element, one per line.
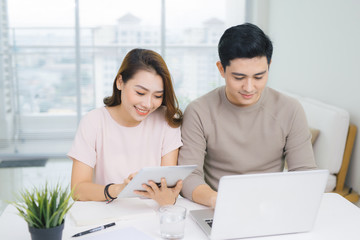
<point>264,204</point>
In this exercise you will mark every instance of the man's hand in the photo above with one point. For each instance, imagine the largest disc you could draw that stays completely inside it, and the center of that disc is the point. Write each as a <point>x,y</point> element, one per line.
<point>204,195</point>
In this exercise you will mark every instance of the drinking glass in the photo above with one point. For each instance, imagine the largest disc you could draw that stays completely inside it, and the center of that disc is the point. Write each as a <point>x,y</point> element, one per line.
<point>172,221</point>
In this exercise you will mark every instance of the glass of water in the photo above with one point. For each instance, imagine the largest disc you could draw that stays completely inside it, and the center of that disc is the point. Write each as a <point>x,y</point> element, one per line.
<point>172,221</point>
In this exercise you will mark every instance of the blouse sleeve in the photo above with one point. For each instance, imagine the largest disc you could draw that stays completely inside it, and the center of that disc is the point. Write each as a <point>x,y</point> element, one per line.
<point>83,148</point>
<point>171,140</point>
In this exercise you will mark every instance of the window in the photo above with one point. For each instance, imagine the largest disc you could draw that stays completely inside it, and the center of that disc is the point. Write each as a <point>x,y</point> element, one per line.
<point>42,64</point>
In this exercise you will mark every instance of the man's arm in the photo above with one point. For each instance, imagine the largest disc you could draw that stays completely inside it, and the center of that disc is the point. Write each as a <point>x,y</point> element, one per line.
<point>298,149</point>
<point>193,152</point>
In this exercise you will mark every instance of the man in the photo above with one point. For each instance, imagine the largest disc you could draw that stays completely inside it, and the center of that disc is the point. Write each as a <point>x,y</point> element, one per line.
<point>243,127</point>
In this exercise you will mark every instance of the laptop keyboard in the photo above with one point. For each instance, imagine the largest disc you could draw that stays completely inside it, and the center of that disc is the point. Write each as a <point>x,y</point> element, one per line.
<point>209,222</point>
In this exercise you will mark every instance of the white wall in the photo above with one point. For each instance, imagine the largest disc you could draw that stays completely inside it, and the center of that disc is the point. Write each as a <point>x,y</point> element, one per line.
<point>317,54</point>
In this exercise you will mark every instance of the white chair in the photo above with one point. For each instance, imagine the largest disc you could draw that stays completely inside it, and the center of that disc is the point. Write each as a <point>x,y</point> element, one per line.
<point>334,144</point>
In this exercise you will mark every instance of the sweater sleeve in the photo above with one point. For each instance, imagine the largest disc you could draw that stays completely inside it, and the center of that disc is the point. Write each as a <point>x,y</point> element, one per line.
<point>298,149</point>
<point>193,150</point>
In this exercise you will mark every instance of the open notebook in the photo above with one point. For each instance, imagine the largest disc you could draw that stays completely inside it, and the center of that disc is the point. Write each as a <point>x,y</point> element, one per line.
<point>91,213</point>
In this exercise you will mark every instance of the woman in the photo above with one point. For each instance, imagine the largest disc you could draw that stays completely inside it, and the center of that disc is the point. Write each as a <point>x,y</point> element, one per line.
<point>138,127</point>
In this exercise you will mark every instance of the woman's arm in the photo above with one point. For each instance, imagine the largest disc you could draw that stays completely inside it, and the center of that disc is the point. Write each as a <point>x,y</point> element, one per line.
<point>85,189</point>
<point>170,159</point>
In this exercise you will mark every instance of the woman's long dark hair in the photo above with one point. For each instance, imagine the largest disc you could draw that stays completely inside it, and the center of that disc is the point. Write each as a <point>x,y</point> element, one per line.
<point>143,59</point>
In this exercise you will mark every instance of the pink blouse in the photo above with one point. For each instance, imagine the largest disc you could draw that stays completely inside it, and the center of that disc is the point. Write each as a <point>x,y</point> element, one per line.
<point>115,151</point>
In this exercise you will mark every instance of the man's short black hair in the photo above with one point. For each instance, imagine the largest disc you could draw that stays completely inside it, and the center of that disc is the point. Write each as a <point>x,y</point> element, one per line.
<point>244,41</point>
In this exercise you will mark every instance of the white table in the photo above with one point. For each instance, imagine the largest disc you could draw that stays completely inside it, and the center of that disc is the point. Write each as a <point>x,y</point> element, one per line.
<point>337,219</point>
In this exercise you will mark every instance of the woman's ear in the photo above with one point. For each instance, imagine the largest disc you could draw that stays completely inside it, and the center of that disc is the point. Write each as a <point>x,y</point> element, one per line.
<point>119,83</point>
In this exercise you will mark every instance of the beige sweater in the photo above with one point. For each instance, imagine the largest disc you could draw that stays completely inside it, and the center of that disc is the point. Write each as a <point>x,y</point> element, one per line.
<point>224,139</point>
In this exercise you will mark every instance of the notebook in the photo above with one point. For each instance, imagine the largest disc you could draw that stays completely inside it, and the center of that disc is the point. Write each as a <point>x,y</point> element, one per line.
<point>86,213</point>
<point>264,204</point>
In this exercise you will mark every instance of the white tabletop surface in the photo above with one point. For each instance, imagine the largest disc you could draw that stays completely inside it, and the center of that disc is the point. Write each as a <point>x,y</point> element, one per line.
<point>337,219</point>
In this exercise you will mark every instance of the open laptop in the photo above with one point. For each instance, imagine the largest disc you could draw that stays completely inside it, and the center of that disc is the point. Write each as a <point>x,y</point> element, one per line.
<point>264,204</point>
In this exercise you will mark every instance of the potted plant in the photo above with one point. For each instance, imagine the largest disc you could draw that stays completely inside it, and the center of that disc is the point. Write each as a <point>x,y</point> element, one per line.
<point>44,210</point>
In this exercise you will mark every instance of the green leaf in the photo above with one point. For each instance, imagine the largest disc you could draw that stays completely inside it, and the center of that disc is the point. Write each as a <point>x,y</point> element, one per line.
<point>44,207</point>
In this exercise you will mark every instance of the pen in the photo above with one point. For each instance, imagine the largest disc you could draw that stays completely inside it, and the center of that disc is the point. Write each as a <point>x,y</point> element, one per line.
<point>94,229</point>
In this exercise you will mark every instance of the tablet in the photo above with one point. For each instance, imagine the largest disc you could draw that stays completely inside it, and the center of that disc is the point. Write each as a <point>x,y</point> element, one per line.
<point>171,173</point>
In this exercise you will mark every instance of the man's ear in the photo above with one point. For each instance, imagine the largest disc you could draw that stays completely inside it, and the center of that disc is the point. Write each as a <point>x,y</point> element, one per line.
<point>119,83</point>
<point>221,68</point>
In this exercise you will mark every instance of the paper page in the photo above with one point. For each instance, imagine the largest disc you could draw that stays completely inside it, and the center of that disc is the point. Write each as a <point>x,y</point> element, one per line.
<point>123,233</point>
<point>92,213</point>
